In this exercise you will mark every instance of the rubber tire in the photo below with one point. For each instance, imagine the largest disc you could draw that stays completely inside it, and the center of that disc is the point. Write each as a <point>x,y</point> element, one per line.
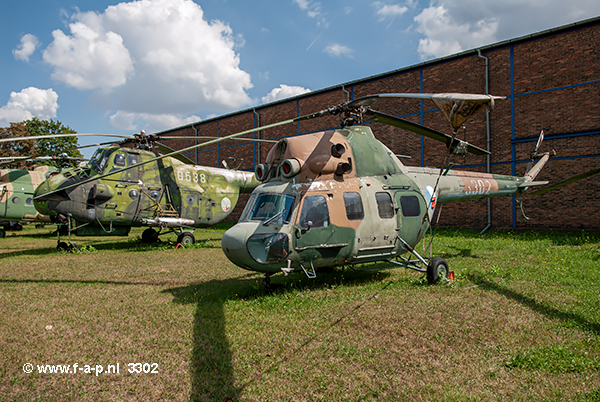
<point>149,236</point>
<point>437,268</point>
<point>62,246</point>
<point>186,239</point>
<point>2,233</point>
<point>17,227</point>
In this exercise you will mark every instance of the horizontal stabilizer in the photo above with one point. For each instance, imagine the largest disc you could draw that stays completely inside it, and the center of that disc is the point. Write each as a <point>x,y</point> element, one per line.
<point>533,184</point>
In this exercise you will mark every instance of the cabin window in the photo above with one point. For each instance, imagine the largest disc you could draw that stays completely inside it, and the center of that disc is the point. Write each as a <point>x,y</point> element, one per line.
<point>314,212</point>
<point>354,206</point>
<point>385,207</point>
<point>410,205</point>
<point>119,160</point>
<point>132,159</point>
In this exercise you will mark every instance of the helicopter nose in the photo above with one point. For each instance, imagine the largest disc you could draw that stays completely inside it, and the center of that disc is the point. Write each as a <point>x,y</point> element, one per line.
<point>234,246</point>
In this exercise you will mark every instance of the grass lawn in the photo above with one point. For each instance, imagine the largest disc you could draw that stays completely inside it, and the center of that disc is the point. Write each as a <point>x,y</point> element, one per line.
<point>521,322</point>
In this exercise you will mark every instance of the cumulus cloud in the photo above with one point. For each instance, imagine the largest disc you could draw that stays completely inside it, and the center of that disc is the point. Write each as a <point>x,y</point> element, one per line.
<point>26,48</point>
<point>283,92</point>
<point>338,50</point>
<point>29,103</point>
<point>312,8</point>
<point>385,11</point>
<point>150,122</point>
<point>444,35</point>
<point>152,57</point>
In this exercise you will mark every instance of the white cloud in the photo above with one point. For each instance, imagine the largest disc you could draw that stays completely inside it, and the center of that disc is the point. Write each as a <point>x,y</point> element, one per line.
<point>89,58</point>
<point>450,26</point>
<point>26,48</point>
<point>444,35</point>
<point>30,102</point>
<point>385,11</point>
<point>312,8</point>
<point>338,50</point>
<point>283,92</point>
<point>154,57</point>
<point>150,122</point>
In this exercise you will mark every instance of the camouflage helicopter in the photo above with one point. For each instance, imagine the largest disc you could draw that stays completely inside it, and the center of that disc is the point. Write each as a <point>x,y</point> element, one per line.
<point>122,187</point>
<point>17,187</point>
<point>16,196</point>
<point>341,197</point>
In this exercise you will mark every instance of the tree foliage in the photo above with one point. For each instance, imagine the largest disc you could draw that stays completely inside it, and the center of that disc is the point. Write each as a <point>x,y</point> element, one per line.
<point>51,146</point>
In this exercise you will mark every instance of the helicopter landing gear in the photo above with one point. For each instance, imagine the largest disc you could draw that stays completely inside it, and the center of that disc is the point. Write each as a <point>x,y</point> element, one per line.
<point>63,246</point>
<point>437,270</point>
<point>186,239</point>
<point>2,233</point>
<point>149,236</point>
<point>266,284</point>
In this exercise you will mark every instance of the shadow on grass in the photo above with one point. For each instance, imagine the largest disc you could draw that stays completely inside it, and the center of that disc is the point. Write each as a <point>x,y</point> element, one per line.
<point>126,245</point>
<point>572,319</point>
<point>212,371</point>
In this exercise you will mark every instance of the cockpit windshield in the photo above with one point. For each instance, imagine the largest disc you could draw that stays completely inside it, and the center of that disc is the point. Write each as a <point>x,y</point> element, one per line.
<point>100,159</point>
<point>269,208</point>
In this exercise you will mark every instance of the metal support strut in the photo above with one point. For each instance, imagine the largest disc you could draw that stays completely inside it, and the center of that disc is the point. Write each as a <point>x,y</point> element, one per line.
<point>411,264</point>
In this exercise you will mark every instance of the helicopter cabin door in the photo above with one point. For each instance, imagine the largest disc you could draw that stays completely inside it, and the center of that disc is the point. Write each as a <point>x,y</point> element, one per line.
<point>319,241</point>
<point>411,209</point>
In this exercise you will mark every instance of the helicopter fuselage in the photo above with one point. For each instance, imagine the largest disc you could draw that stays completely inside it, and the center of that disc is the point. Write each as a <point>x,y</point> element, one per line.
<point>342,197</point>
<point>163,193</point>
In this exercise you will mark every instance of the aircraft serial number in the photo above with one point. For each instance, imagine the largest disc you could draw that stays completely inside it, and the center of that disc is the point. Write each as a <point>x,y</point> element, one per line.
<point>479,187</point>
<point>191,177</point>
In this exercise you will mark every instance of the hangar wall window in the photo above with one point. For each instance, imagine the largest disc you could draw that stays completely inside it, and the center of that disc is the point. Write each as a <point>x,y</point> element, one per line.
<point>385,206</point>
<point>354,206</point>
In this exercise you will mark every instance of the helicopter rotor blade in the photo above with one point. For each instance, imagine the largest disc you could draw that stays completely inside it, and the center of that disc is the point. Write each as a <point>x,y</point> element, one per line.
<point>457,107</point>
<point>62,190</point>
<point>41,137</point>
<point>565,182</point>
<point>212,138</point>
<point>426,131</point>
<point>165,149</point>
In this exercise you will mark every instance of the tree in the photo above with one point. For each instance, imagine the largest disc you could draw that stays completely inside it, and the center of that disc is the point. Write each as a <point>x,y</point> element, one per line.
<point>16,148</point>
<point>52,146</point>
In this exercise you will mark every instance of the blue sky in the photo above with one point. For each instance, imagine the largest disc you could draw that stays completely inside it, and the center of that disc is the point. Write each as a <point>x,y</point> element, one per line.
<point>120,67</point>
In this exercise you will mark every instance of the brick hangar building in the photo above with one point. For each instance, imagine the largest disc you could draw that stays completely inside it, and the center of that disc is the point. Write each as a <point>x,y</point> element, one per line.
<point>551,80</point>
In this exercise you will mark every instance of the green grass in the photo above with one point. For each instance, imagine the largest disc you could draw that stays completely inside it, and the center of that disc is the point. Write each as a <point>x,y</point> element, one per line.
<point>520,322</point>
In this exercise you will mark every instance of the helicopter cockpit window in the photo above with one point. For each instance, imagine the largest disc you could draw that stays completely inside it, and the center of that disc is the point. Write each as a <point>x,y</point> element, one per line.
<point>119,160</point>
<point>314,212</point>
<point>385,207</point>
<point>132,159</point>
<point>410,205</point>
<point>354,206</point>
<point>98,161</point>
<point>265,207</point>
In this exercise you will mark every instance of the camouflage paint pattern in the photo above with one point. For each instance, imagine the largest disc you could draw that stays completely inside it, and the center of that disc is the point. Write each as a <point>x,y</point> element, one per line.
<point>16,194</point>
<point>166,193</point>
<point>335,169</point>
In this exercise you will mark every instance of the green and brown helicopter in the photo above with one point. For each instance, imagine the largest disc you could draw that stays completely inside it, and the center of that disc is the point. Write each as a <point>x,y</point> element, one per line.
<point>140,182</point>
<point>341,197</point>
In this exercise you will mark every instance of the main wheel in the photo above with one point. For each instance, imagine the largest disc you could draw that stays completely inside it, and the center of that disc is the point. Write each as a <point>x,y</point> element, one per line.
<point>186,239</point>
<point>437,270</point>
<point>2,233</point>
<point>149,236</point>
